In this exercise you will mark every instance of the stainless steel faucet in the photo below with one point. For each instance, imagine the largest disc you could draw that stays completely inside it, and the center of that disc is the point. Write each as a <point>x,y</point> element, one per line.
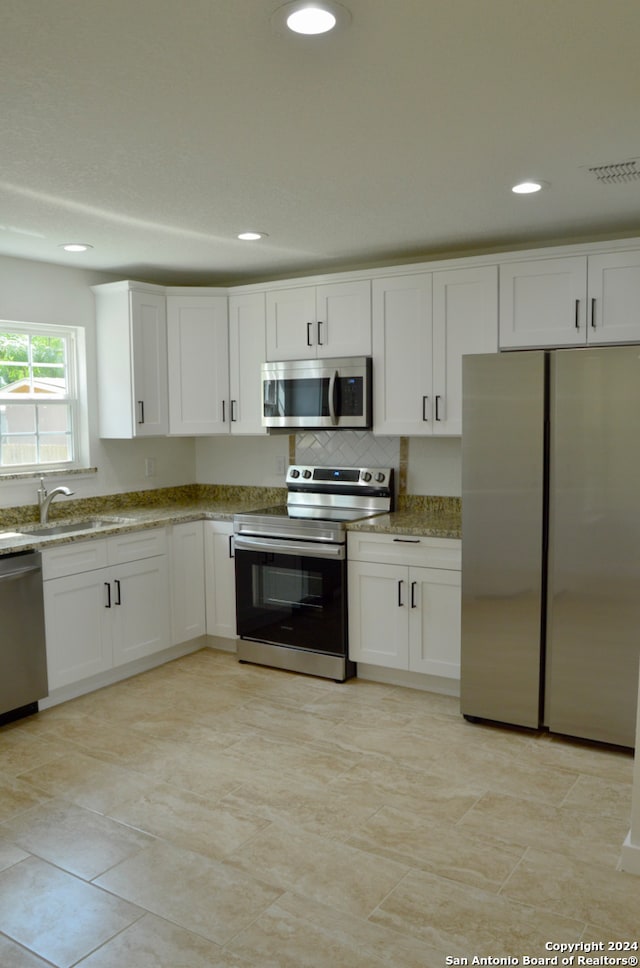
<point>46,497</point>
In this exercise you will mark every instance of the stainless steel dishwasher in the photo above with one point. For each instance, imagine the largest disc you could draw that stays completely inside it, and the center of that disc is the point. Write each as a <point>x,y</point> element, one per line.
<point>23,658</point>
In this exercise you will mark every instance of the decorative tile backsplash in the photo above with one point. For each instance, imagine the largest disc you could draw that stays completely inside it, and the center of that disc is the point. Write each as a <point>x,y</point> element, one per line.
<point>347,448</point>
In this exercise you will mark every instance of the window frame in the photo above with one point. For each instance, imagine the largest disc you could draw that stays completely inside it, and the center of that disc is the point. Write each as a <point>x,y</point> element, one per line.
<point>74,342</point>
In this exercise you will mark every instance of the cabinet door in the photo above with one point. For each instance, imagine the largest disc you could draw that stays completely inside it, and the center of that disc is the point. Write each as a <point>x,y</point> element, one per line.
<point>291,324</point>
<point>149,342</point>
<point>187,581</point>
<point>140,612</point>
<point>197,331</point>
<point>220,579</point>
<point>402,344</point>
<point>543,303</point>
<point>434,597</point>
<point>614,298</point>
<point>465,320</point>
<point>77,627</point>
<point>379,614</point>
<point>343,325</point>
<point>247,351</point>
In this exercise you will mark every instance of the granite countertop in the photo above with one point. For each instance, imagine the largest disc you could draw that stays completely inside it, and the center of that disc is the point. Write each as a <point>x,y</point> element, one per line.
<point>425,516</point>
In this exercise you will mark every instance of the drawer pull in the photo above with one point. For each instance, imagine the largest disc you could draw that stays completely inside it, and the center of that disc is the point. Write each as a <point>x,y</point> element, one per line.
<point>407,540</point>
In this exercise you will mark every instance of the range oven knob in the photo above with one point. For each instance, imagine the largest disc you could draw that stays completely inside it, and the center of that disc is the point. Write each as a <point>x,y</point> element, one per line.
<point>306,474</point>
<point>380,478</point>
<point>366,476</point>
<point>295,472</point>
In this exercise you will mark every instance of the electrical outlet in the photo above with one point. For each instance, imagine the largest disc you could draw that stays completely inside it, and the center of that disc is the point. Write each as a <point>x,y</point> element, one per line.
<point>150,467</point>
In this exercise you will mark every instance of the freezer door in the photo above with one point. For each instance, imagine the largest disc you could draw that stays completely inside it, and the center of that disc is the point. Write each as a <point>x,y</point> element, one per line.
<point>593,640</point>
<point>502,536</point>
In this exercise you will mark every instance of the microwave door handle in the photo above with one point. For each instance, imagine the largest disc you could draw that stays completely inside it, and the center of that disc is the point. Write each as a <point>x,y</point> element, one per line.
<point>332,397</point>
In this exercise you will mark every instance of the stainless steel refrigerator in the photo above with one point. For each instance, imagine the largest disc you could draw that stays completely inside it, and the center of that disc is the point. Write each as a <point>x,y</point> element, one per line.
<point>551,540</point>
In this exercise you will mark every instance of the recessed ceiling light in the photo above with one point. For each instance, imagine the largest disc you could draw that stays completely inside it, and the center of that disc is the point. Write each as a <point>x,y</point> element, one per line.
<point>75,246</point>
<point>252,236</point>
<point>529,187</point>
<point>310,16</point>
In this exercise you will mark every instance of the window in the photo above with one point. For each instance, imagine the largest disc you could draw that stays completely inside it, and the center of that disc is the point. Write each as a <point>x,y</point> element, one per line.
<point>38,396</point>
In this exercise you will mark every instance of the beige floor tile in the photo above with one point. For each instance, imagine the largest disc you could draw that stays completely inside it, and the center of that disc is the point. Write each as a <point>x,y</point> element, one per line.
<point>87,781</point>
<point>418,840</point>
<point>57,916</point>
<point>312,806</point>
<point>201,895</point>
<point>190,821</point>
<point>277,757</point>
<point>610,899</point>
<point>23,751</point>
<point>558,753</point>
<point>298,933</point>
<point>15,956</point>
<point>79,841</point>
<point>279,720</point>
<point>154,943</point>
<point>464,921</point>
<point>16,796</point>
<point>323,870</point>
<point>567,830</point>
<point>10,854</point>
<point>597,795</point>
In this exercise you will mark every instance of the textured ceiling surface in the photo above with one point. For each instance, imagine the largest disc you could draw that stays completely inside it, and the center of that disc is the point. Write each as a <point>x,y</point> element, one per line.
<point>156,130</point>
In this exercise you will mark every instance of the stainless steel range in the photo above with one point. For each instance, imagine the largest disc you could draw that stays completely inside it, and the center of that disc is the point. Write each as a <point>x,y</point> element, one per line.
<point>291,573</point>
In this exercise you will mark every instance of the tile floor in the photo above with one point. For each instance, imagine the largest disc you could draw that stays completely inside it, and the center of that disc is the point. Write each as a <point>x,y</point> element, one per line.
<point>209,814</point>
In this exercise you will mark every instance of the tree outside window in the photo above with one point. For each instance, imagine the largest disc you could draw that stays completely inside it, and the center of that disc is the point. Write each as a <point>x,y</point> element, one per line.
<point>37,396</point>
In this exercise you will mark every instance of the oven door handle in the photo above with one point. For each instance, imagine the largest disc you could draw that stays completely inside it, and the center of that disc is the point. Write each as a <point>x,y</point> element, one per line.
<point>306,549</point>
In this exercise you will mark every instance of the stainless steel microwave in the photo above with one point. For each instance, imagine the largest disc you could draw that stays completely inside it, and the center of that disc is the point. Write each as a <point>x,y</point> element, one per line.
<point>331,394</point>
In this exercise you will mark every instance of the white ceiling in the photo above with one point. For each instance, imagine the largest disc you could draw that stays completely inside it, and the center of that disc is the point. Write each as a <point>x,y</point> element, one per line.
<point>156,130</point>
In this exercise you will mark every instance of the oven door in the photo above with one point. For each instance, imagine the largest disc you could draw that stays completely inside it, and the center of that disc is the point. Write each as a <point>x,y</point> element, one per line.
<point>292,593</point>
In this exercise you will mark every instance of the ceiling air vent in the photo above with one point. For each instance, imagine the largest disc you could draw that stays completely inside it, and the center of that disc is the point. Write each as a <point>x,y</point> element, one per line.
<point>617,173</point>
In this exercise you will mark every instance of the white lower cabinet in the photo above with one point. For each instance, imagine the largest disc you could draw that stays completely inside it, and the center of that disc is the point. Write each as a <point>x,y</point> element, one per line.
<point>106,603</point>
<point>404,603</point>
<point>220,579</point>
<point>188,619</point>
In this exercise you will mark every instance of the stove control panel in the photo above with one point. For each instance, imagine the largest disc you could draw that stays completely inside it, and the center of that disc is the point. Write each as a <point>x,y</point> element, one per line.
<point>339,477</point>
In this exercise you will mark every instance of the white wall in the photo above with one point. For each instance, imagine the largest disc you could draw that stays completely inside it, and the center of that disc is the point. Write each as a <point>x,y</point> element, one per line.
<point>39,292</point>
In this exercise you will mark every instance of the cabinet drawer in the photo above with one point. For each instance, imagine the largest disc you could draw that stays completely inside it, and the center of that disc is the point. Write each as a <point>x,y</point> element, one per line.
<point>74,559</point>
<point>405,549</point>
<point>136,544</point>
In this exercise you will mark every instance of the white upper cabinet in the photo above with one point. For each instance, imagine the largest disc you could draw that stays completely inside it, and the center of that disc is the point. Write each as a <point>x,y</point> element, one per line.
<point>422,326</point>
<point>584,300</point>
<point>247,352</point>
<point>465,321</point>
<point>198,342</point>
<point>614,298</point>
<point>319,321</point>
<point>402,341</point>
<point>131,335</point>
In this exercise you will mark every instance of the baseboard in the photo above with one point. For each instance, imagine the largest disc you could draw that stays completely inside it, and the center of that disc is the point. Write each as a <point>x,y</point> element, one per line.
<point>412,680</point>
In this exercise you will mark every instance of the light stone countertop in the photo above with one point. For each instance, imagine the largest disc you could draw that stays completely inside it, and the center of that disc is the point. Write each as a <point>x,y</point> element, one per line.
<point>424,516</point>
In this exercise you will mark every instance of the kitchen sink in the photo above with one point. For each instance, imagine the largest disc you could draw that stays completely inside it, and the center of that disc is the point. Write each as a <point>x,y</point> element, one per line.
<point>71,527</point>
